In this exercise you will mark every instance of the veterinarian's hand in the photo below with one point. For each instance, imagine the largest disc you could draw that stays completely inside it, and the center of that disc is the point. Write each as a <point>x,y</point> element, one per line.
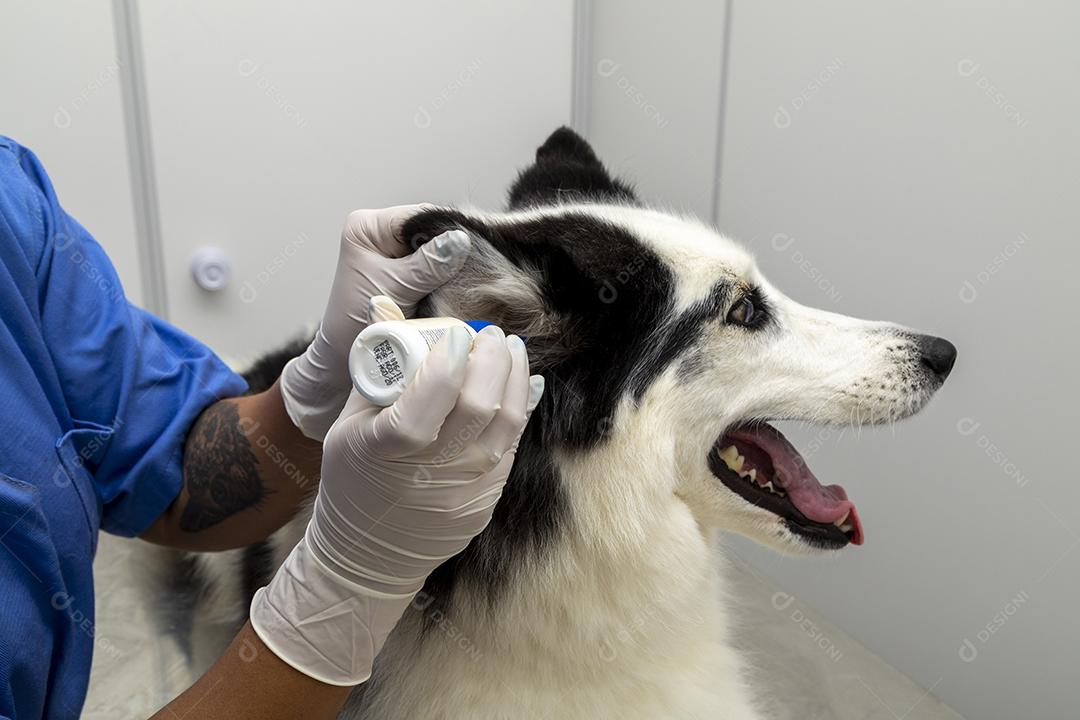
<point>373,260</point>
<point>404,488</point>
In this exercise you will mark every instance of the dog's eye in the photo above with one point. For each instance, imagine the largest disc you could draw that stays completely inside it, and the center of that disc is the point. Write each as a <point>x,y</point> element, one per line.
<point>743,312</point>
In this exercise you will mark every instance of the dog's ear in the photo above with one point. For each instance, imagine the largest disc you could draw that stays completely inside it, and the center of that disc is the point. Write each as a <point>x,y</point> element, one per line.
<point>566,170</point>
<point>576,286</point>
<point>564,281</point>
<point>501,280</point>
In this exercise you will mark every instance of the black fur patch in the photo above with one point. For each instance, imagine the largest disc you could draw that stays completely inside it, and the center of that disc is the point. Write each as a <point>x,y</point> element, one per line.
<point>678,337</point>
<point>257,569</point>
<point>265,371</point>
<point>566,170</point>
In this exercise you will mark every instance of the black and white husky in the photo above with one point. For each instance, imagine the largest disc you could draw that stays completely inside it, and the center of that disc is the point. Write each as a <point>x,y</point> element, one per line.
<point>597,590</point>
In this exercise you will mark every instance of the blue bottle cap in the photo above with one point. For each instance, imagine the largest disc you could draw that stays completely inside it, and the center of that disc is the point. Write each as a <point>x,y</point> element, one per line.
<point>477,325</point>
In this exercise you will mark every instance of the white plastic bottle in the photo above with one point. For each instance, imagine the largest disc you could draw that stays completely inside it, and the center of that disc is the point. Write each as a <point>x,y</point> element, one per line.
<point>386,355</point>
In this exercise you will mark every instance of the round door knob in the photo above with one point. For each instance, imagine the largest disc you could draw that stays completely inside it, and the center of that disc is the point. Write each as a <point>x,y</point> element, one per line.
<point>210,268</point>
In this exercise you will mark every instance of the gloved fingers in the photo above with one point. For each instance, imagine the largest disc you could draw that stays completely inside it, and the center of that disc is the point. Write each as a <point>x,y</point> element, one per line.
<point>412,277</point>
<point>380,230</point>
<point>481,394</point>
<point>413,421</point>
<point>370,245</point>
<point>536,391</point>
<point>381,308</point>
<point>494,481</point>
<point>520,397</point>
<point>355,404</point>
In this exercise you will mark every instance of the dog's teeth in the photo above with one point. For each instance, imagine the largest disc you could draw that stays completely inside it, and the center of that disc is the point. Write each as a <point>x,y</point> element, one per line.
<point>739,462</point>
<point>728,455</point>
<point>752,474</point>
<point>768,486</point>
<point>847,527</point>
<point>842,522</point>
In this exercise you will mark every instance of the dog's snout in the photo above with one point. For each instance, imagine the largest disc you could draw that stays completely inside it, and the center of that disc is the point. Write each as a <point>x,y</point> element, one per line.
<point>938,354</point>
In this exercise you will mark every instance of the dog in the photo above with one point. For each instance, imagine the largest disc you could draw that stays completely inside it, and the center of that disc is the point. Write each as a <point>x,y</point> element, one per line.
<point>597,590</point>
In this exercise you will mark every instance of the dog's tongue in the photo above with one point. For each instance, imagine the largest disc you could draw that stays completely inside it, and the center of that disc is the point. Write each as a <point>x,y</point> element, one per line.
<point>820,503</point>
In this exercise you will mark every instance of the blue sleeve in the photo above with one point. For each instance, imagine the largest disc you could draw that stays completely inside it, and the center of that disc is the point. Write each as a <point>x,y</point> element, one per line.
<point>133,382</point>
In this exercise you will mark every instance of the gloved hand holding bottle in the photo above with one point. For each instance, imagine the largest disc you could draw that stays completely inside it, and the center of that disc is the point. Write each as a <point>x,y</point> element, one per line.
<point>403,489</point>
<point>373,259</point>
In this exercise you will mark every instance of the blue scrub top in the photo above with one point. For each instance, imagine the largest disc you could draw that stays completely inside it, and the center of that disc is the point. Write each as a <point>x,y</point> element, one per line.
<point>96,397</point>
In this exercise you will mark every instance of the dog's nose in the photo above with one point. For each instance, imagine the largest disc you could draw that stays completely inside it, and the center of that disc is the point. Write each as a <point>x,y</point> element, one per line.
<point>938,354</point>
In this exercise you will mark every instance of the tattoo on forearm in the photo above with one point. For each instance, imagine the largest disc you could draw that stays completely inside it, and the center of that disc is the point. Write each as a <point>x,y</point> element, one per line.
<point>219,469</point>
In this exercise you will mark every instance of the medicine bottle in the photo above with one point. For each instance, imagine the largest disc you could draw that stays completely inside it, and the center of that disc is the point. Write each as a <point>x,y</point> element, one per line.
<point>386,355</point>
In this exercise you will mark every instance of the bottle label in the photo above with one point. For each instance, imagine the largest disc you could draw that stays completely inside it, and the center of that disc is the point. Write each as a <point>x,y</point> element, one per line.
<point>432,336</point>
<point>389,366</point>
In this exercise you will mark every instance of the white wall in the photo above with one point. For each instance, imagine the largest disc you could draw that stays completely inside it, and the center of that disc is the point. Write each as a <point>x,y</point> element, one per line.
<point>902,177</point>
<point>870,166</point>
<point>654,77</point>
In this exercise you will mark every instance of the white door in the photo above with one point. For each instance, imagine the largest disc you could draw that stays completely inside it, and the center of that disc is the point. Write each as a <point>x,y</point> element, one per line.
<point>270,122</point>
<point>60,96</point>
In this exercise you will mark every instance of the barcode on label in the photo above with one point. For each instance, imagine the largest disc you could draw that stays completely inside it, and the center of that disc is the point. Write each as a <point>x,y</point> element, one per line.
<point>387,359</point>
<point>432,336</point>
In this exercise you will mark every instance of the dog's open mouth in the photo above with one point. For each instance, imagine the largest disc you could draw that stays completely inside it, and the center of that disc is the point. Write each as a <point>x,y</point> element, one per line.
<point>759,464</point>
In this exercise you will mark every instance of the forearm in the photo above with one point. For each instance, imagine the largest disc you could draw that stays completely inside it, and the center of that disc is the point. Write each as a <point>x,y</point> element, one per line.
<point>250,681</point>
<point>246,470</point>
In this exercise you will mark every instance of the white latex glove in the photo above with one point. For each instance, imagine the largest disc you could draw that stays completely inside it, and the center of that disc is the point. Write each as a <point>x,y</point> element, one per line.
<point>404,488</point>
<point>373,260</point>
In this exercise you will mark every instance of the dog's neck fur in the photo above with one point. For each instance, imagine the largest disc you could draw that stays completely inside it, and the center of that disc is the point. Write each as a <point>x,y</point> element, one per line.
<point>622,617</point>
